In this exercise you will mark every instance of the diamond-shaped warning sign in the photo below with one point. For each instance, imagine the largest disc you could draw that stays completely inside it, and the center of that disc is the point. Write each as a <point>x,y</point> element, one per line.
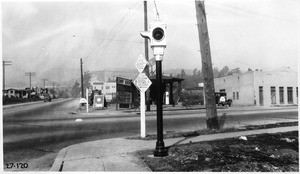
<point>141,63</point>
<point>142,82</point>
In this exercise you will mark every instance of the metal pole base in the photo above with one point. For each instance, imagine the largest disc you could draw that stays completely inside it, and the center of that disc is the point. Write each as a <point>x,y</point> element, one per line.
<point>160,150</point>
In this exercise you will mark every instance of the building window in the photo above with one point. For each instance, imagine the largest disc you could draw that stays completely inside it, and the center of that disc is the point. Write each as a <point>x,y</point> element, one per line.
<point>261,95</point>
<point>281,95</point>
<point>273,95</point>
<point>290,95</point>
<point>233,95</point>
<point>107,87</point>
<point>237,95</point>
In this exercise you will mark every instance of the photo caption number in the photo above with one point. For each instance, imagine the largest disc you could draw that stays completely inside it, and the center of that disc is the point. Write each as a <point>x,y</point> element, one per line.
<point>16,165</point>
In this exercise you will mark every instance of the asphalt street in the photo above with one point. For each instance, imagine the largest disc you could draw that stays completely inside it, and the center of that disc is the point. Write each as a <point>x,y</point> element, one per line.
<point>35,133</point>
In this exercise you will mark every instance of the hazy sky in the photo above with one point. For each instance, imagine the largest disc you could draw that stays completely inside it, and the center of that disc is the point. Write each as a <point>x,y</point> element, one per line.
<point>40,35</point>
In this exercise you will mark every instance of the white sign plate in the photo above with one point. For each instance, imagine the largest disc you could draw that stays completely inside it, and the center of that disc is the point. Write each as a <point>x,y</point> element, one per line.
<point>141,63</point>
<point>142,82</point>
<point>83,100</point>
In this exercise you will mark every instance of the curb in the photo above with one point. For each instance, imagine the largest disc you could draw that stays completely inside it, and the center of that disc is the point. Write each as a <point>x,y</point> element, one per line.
<point>59,161</point>
<point>222,136</point>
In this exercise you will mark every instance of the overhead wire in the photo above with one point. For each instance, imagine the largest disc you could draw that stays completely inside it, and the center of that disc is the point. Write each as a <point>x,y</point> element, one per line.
<point>121,28</point>
<point>157,14</point>
<point>243,10</point>
<point>116,27</point>
<point>102,38</point>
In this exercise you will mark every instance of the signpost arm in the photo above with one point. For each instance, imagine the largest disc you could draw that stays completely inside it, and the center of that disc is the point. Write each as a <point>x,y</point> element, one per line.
<point>143,114</point>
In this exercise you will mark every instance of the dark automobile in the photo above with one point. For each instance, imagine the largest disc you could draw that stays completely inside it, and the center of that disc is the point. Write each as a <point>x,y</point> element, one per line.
<point>47,98</point>
<point>221,99</point>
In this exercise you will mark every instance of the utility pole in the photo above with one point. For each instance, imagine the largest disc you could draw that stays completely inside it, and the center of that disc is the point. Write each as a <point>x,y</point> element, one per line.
<point>30,74</point>
<point>4,63</point>
<point>210,100</point>
<point>44,83</point>
<point>81,73</point>
<point>146,55</point>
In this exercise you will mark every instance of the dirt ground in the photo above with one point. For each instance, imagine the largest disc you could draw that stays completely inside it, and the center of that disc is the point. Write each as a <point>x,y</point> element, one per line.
<point>257,153</point>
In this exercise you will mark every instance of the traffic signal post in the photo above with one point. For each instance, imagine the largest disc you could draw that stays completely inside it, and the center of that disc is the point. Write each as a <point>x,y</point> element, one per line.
<point>157,37</point>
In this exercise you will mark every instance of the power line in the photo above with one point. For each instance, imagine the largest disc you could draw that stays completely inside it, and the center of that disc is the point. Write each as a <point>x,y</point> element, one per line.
<point>116,27</point>
<point>102,38</point>
<point>157,14</point>
<point>123,27</point>
<point>243,10</point>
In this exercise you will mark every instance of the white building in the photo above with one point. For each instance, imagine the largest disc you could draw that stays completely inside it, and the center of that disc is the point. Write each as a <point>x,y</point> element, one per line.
<point>261,88</point>
<point>109,90</point>
<point>96,85</point>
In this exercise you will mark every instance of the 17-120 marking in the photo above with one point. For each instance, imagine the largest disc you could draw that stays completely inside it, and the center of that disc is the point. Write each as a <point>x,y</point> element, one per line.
<point>16,165</point>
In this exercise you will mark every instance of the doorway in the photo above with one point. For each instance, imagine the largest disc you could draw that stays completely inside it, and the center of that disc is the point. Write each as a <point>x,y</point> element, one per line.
<point>261,96</point>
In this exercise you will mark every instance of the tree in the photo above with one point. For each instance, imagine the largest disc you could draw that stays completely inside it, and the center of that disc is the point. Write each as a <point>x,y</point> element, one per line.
<point>195,72</point>
<point>224,71</point>
<point>236,70</point>
<point>75,90</point>
<point>86,79</point>
<point>182,74</point>
<point>216,72</point>
<point>199,75</point>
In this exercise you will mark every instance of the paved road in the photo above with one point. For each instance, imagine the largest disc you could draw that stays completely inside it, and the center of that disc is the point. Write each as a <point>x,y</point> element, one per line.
<point>35,133</point>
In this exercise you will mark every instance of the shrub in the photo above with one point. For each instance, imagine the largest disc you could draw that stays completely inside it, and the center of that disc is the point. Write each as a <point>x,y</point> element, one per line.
<point>191,97</point>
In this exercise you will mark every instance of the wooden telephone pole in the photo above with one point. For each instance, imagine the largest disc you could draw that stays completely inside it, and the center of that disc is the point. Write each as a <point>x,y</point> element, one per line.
<point>4,63</point>
<point>29,74</point>
<point>81,77</point>
<point>210,99</point>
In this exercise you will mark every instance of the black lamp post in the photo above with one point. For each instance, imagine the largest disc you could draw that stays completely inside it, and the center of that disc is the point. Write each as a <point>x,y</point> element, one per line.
<point>160,149</point>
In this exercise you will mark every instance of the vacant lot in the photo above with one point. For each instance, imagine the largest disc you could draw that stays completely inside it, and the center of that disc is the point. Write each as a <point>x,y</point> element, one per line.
<point>264,153</point>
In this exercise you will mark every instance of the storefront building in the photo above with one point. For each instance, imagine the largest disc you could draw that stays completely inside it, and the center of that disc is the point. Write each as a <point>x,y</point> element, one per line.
<point>260,88</point>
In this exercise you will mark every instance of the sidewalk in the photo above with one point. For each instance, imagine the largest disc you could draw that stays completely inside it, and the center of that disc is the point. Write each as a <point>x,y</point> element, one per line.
<point>117,154</point>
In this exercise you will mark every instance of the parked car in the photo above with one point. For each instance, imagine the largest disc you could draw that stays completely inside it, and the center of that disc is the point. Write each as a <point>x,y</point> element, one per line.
<point>47,98</point>
<point>222,100</point>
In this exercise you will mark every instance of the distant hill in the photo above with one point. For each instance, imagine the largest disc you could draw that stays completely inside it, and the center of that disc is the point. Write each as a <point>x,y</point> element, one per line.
<point>176,71</point>
<point>111,74</point>
<point>67,77</point>
<point>61,75</point>
<point>105,75</point>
